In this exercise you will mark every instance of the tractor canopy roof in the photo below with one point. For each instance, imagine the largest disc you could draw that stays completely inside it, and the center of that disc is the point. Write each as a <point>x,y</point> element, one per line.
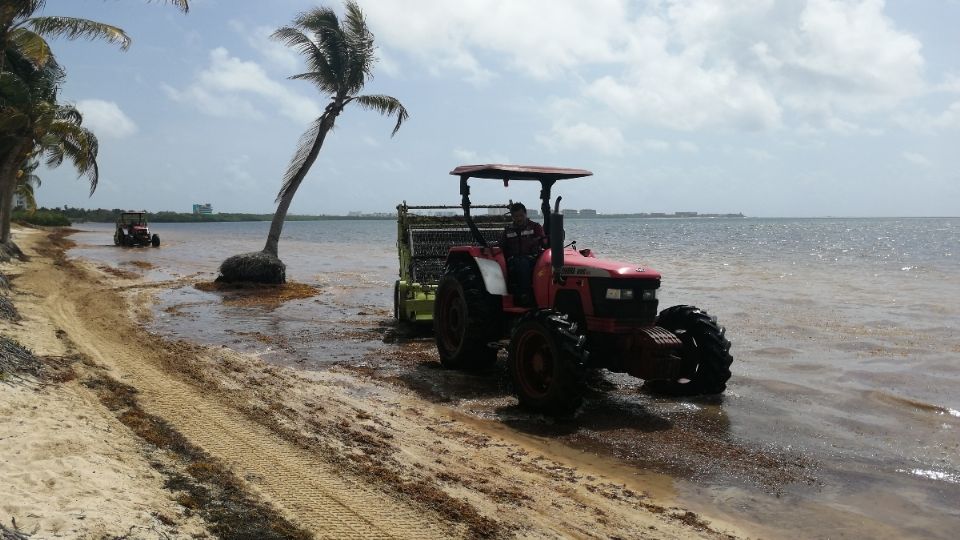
<point>518,172</point>
<point>132,216</point>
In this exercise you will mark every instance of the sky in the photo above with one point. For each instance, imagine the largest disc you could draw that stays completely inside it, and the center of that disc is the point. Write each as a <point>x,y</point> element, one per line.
<point>767,107</point>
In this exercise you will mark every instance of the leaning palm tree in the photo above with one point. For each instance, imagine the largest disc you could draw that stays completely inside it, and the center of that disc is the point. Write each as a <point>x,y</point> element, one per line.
<point>340,57</point>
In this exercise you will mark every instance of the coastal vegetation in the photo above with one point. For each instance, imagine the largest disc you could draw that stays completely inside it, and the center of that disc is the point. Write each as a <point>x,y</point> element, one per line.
<point>340,56</point>
<point>102,215</point>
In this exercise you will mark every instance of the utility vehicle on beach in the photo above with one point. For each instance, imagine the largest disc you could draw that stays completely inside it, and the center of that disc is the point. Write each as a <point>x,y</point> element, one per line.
<point>132,230</point>
<point>587,313</point>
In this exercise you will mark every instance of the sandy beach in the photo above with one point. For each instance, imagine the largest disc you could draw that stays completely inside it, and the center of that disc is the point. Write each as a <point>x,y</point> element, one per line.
<point>159,438</point>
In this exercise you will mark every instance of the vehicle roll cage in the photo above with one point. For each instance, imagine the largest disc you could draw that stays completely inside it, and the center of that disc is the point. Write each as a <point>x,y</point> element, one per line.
<point>547,176</point>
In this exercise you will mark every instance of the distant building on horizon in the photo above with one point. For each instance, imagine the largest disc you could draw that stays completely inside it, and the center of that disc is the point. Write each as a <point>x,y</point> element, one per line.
<point>588,212</point>
<point>685,214</point>
<point>205,208</point>
<point>570,212</point>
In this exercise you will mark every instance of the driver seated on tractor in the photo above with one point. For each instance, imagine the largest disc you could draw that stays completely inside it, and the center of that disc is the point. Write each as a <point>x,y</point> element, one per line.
<point>522,242</point>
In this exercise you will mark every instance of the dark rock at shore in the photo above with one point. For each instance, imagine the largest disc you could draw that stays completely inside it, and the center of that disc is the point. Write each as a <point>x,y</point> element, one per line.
<point>255,267</point>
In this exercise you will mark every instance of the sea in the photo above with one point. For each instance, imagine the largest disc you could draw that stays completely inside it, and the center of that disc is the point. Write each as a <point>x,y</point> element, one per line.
<point>842,418</point>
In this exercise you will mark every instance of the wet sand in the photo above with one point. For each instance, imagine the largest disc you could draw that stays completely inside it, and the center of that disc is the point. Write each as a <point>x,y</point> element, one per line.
<point>841,418</point>
<point>337,453</point>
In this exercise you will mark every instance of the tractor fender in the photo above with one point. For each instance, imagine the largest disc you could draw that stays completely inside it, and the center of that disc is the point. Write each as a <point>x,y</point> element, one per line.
<point>492,275</point>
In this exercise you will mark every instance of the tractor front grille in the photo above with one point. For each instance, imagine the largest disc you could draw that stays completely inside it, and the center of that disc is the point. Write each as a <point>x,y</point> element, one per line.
<point>636,309</point>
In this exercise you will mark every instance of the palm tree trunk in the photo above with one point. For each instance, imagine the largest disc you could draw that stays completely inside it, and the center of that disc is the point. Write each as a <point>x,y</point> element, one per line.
<point>276,225</point>
<point>8,185</point>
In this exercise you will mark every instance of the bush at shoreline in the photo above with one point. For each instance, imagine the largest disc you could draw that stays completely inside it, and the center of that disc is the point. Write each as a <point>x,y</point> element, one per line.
<point>44,218</point>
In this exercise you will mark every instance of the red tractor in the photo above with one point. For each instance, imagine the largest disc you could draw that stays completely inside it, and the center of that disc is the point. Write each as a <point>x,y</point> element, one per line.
<point>132,229</point>
<point>588,313</point>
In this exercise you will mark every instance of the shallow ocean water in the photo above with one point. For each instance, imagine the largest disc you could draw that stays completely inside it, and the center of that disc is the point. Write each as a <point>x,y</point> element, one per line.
<point>842,417</point>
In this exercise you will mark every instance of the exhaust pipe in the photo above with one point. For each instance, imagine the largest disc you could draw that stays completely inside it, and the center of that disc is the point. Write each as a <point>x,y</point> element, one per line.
<point>556,240</point>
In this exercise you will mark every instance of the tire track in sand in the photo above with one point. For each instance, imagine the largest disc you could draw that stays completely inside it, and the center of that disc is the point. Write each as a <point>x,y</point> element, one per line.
<point>308,490</point>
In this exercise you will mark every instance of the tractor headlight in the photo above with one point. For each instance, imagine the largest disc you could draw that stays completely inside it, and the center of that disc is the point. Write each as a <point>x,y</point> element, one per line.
<point>649,294</point>
<point>619,294</point>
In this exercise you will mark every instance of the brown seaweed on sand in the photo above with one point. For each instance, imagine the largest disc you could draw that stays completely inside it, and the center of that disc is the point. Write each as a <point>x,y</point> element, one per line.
<point>16,361</point>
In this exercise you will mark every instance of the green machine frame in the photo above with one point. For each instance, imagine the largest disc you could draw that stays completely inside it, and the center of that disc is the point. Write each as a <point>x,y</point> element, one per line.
<point>423,240</point>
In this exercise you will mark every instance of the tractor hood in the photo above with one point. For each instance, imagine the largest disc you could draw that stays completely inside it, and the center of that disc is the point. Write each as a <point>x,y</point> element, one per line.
<point>575,264</point>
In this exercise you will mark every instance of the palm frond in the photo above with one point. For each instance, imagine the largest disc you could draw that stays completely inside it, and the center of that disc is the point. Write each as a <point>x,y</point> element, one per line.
<point>182,5</point>
<point>324,25</point>
<point>11,10</point>
<point>323,75</point>
<point>320,79</point>
<point>12,122</point>
<point>31,45</point>
<point>361,47</point>
<point>26,191</point>
<point>69,113</point>
<point>304,147</point>
<point>385,105</point>
<point>14,91</point>
<point>76,28</point>
<point>67,139</point>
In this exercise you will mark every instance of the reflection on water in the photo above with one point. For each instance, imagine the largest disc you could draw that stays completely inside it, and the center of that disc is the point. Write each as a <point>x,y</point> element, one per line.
<point>842,414</point>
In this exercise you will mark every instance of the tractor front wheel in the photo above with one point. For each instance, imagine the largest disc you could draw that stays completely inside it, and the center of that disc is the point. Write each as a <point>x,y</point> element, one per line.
<point>544,372</point>
<point>705,350</point>
<point>465,319</point>
<point>155,240</point>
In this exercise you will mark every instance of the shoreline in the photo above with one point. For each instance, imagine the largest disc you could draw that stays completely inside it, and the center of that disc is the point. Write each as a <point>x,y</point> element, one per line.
<point>331,453</point>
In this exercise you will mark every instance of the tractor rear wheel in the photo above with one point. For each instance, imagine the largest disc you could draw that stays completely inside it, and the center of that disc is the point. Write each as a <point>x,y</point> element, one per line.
<point>545,373</point>
<point>705,349</point>
<point>466,318</point>
<point>155,240</point>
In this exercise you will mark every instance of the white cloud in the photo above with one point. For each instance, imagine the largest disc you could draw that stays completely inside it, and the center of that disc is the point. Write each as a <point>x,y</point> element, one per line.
<point>655,145</point>
<point>235,88</point>
<point>917,159</point>
<point>949,118</point>
<point>275,53</point>
<point>105,118</point>
<point>688,146</point>
<point>757,154</point>
<point>581,136</point>
<point>238,173</point>
<point>924,122</point>
<point>464,155</point>
<point>542,38</point>
<point>681,64</point>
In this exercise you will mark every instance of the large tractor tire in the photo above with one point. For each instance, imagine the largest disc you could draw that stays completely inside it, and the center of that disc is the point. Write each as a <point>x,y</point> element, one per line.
<point>544,363</point>
<point>704,348</point>
<point>155,240</point>
<point>465,319</point>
